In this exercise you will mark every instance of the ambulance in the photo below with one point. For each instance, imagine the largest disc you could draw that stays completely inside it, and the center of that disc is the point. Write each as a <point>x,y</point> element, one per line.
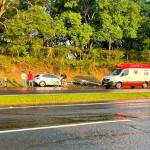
<point>128,74</point>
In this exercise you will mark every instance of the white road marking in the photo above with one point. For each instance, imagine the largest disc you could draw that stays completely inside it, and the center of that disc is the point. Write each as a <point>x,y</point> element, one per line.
<point>71,105</point>
<point>63,126</point>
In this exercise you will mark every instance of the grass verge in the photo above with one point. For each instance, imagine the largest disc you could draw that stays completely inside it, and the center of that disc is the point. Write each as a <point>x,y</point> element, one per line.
<point>22,100</point>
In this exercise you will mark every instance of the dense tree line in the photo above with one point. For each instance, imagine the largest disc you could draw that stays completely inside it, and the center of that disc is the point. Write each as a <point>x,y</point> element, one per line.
<point>84,30</point>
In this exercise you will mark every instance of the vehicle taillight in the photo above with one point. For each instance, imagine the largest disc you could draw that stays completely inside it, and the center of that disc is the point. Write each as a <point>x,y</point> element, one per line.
<point>37,78</point>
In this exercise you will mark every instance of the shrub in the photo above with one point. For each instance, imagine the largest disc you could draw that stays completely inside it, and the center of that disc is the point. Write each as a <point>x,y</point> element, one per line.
<point>146,55</point>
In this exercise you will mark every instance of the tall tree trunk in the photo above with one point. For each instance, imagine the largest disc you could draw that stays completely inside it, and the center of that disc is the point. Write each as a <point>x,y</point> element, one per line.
<point>91,45</point>
<point>18,53</point>
<point>110,42</point>
<point>80,55</point>
<point>48,43</point>
<point>52,10</point>
<point>4,7</point>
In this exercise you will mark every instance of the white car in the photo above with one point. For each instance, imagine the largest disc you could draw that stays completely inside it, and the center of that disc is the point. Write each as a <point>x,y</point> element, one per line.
<point>46,79</point>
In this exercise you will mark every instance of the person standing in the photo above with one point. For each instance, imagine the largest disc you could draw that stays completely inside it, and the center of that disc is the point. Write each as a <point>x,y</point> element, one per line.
<point>0,81</point>
<point>24,79</point>
<point>5,81</point>
<point>63,78</point>
<point>30,79</point>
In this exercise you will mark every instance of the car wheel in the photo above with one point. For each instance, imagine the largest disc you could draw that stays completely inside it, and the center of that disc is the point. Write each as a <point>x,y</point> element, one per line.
<point>35,84</point>
<point>56,84</point>
<point>144,86</point>
<point>42,83</point>
<point>107,86</point>
<point>118,85</point>
<point>132,87</point>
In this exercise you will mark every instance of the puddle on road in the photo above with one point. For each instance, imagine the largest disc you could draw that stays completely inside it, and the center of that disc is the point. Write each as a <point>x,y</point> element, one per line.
<point>50,116</point>
<point>36,117</point>
<point>29,121</point>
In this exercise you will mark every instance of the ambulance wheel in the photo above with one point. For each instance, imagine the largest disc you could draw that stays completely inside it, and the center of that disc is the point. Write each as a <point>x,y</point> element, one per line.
<point>107,86</point>
<point>144,86</point>
<point>118,85</point>
<point>132,87</point>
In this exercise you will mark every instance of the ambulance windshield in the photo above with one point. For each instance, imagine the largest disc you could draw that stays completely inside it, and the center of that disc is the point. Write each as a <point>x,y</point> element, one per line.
<point>116,72</point>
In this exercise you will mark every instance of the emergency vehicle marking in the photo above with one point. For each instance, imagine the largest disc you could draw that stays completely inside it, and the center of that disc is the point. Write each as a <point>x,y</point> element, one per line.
<point>135,72</point>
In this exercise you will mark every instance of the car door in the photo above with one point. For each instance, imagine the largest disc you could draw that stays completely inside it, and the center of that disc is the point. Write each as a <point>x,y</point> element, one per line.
<point>53,79</point>
<point>125,76</point>
<point>45,78</point>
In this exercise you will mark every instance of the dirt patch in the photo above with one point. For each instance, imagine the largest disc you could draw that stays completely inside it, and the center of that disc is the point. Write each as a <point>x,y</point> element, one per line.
<point>13,72</point>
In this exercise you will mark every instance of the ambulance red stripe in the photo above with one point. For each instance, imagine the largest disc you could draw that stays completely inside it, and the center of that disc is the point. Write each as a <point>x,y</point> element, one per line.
<point>131,65</point>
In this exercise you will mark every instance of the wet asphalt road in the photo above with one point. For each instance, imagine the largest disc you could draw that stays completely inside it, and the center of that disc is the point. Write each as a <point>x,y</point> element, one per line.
<point>61,90</point>
<point>133,133</point>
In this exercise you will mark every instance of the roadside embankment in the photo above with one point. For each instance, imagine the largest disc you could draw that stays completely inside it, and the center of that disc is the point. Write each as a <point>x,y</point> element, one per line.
<point>23,100</point>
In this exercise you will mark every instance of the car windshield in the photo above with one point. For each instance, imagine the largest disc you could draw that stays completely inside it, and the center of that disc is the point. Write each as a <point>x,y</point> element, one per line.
<point>116,72</point>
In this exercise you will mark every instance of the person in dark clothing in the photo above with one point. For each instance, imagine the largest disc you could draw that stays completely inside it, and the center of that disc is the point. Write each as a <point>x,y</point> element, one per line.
<point>63,78</point>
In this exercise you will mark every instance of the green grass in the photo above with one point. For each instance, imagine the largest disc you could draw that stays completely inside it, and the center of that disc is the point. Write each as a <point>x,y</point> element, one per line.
<point>67,98</point>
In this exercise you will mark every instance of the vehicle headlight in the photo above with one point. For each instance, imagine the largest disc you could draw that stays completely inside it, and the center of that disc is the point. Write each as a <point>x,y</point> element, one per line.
<point>112,79</point>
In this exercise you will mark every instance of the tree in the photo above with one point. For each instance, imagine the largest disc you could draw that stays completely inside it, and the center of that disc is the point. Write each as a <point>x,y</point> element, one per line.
<point>5,5</point>
<point>77,34</point>
<point>143,34</point>
<point>87,9</point>
<point>27,27</point>
<point>146,34</point>
<point>117,19</point>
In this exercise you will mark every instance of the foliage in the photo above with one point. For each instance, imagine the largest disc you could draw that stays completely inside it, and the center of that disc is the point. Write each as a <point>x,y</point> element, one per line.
<point>76,34</point>
<point>117,19</point>
<point>25,30</point>
<point>6,11</point>
<point>146,55</point>
<point>6,63</point>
